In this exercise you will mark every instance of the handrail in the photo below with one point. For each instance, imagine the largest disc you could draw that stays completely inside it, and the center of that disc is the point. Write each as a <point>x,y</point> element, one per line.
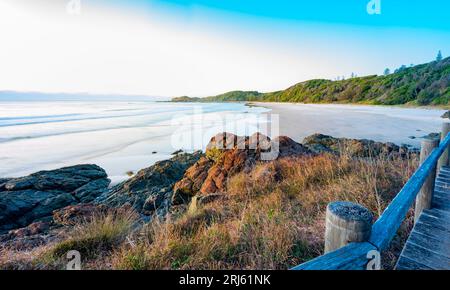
<point>353,256</point>
<point>385,228</point>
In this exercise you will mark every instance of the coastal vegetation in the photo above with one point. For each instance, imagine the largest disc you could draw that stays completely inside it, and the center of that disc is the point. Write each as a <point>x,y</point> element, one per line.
<point>420,85</point>
<point>270,219</point>
<point>225,209</point>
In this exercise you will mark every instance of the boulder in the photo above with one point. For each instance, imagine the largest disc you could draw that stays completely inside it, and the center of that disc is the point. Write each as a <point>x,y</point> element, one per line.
<point>30,230</point>
<point>151,188</point>
<point>15,206</point>
<point>91,190</point>
<point>228,154</point>
<point>28,199</point>
<point>3,183</point>
<point>320,143</point>
<point>74,214</point>
<point>32,236</point>
<point>65,179</point>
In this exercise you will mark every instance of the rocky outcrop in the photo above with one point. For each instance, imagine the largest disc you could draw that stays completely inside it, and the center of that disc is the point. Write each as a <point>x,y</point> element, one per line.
<point>52,229</point>
<point>319,143</point>
<point>226,155</point>
<point>34,197</point>
<point>150,189</point>
<point>29,237</point>
<point>74,214</point>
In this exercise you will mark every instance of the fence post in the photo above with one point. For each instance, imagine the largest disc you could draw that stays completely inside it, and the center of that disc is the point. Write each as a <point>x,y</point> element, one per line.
<point>346,222</point>
<point>443,161</point>
<point>423,199</point>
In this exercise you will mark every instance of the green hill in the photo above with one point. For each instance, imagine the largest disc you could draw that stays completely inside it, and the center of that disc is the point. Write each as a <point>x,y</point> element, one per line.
<point>234,96</point>
<point>425,84</point>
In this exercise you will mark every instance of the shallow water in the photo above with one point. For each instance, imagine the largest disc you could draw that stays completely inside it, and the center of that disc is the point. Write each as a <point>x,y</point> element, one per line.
<point>127,136</point>
<point>118,136</point>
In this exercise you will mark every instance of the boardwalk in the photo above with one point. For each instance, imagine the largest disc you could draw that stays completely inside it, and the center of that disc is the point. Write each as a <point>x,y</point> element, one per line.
<point>428,246</point>
<point>352,242</point>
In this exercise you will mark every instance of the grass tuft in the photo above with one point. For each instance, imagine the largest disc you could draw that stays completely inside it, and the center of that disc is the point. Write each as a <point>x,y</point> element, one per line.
<point>94,237</point>
<point>270,218</point>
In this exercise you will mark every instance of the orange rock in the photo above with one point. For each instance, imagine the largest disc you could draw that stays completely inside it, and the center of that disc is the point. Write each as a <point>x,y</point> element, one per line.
<point>226,155</point>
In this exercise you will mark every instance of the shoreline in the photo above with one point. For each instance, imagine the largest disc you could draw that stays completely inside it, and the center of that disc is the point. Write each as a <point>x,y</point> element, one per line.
<point>297,121</point>
<point>403,106</point>
<point>395,124</point>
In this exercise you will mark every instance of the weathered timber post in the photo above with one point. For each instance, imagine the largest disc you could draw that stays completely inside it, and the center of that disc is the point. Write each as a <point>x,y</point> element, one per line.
<point>423,199</point>
<point>443,161</point>
<point>346,222</point>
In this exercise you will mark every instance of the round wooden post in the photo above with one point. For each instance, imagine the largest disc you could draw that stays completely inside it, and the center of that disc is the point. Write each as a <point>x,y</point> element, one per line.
<point>443,161</point>
<point>346,222</point>
<point>423,199</point>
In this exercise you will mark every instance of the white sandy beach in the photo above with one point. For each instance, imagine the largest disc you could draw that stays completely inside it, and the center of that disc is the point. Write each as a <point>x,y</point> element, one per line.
<point>379,123</point>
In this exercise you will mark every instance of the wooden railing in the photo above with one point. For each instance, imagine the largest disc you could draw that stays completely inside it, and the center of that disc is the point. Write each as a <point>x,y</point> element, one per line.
<point>352,247</point>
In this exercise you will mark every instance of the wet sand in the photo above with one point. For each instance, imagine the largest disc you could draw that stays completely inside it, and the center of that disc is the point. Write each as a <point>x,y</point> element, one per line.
<point>380,123</point>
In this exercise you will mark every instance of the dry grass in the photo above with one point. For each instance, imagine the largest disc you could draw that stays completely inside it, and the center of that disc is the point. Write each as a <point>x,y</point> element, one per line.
<point>270,219</point>
<point>94,239</point>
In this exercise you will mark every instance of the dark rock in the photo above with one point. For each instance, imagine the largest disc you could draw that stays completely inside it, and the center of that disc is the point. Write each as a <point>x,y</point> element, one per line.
<point>151,188</point>
<point>205,199</point>
<point>46,207</point>
<point>177,152</point>
<point>32,229</point>
<point>26,238</point>
<point>19,184</point>
<point>34,197</point>
<point>319,143</point>
<point>432,136</point>
<point>73,214</point>
<point>32,236</point>
<point>446,115</point>
<point>91,191</point>
<point>17,204</point>
<point>288,147</point>
<point>227,155</point>
<point>3,182</point>
<point>65,179</point>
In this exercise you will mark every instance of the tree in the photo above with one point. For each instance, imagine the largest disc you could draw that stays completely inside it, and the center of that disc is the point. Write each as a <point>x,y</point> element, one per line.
<point>400,69</point>
<point>387,71</point>
<point>439,56</point>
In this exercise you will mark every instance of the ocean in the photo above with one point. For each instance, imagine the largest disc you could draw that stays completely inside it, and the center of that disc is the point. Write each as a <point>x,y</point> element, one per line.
<point>119,136</point>
<point>125,136</point>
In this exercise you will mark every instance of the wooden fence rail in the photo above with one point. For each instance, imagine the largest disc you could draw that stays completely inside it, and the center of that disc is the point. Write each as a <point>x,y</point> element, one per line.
<point>354,255</point>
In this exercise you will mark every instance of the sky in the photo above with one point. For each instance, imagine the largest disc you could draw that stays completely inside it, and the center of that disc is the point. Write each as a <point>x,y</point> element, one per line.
<point>207,47</point>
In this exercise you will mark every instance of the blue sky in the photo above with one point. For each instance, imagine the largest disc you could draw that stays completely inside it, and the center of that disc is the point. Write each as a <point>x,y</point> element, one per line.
<point>200,48</point>
<point>431,14</point>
